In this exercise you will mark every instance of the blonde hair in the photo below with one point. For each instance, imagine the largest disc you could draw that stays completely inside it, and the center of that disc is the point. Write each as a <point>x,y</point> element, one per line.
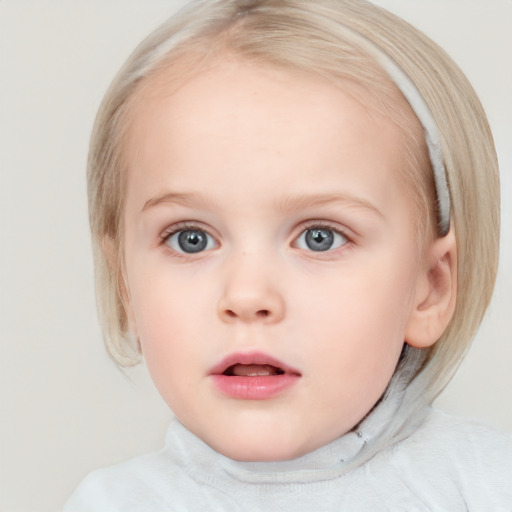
<point>321,38</point>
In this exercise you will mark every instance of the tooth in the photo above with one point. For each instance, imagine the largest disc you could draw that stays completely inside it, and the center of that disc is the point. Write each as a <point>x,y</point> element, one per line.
<point>253,370</point>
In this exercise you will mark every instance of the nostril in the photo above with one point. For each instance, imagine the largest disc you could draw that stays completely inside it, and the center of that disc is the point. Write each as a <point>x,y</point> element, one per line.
<point>262,313</point>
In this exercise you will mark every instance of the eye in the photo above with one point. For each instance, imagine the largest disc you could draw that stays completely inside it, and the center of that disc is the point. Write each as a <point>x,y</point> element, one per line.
<point>320,239</point>
<point>190,241</point>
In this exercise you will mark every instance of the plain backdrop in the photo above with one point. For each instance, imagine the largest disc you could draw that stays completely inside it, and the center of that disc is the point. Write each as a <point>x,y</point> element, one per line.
<point>65,407</point>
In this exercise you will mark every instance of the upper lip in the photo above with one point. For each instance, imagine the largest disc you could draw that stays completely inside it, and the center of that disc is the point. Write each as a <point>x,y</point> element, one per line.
<point>251,358</point>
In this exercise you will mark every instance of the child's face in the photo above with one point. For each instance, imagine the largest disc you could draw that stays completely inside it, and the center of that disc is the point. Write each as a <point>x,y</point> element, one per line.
<point>266,224</point>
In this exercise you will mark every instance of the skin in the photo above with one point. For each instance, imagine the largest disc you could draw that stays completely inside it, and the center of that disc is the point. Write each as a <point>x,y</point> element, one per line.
<point>254,157</point>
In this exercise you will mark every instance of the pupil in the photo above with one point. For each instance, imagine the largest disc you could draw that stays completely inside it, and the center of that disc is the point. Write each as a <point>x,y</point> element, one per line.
<point>192,241</point>
<point>319,239</point>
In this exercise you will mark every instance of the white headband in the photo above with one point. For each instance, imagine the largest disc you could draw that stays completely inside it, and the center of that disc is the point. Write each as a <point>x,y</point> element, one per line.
<point>420,108</point>
<point>413,96</point>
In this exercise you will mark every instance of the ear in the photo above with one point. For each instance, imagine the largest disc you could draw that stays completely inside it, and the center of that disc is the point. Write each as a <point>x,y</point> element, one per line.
<point>111,251</point>
<point>436,293</point>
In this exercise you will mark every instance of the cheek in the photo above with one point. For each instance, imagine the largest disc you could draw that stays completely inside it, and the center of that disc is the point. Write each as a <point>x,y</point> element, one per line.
<point>357,321</point>
<point>367,298</point>
<point>173,312</point>
<point>163,312</point>
<point>170,343</point>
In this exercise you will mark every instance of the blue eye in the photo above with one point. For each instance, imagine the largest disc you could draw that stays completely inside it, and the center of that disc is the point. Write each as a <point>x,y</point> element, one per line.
<point>320,239</point>
<point>190,241</point>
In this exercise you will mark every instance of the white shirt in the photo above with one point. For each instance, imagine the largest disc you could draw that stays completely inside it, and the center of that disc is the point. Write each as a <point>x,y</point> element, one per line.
<point>445,464</point>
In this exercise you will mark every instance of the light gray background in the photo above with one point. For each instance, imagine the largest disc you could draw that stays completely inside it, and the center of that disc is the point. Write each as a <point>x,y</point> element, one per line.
<point>65,408</point>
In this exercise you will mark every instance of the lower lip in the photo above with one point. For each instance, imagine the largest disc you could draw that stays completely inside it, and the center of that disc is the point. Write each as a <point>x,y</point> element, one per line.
<point>259,387</point>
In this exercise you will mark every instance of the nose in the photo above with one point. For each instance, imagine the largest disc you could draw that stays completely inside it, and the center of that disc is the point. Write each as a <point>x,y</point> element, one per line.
<point>250,295</point>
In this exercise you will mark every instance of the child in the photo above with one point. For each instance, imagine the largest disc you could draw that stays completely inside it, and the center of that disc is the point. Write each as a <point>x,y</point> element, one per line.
<point>295,214</point>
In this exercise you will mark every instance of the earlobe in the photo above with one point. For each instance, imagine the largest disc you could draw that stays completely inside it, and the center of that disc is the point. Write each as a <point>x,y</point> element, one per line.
<point>436,294</point>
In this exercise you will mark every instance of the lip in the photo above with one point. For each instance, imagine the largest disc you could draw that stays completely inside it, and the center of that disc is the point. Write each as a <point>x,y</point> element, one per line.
<point>261,387</point>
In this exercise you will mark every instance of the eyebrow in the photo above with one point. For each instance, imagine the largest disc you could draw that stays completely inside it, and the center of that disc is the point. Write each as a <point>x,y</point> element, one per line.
<point>302,202</point>
<point>285,205</point>
<point>184,199</point>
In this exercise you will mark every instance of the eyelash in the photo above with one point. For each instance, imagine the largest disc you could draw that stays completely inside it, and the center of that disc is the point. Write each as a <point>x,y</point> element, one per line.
<point>325,225</point>
<point>184,226</point>
<point>329,227</point>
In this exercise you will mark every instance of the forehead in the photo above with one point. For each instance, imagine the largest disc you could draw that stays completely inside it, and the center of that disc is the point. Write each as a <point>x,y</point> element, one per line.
<point>235,93</point>
<point>247,136</point>
<point>373,89</point>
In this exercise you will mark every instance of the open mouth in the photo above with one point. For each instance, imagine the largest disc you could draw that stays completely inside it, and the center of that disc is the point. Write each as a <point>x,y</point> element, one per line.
<point>252,364</point>
<point>253,376</point>
<point>252,370</point>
